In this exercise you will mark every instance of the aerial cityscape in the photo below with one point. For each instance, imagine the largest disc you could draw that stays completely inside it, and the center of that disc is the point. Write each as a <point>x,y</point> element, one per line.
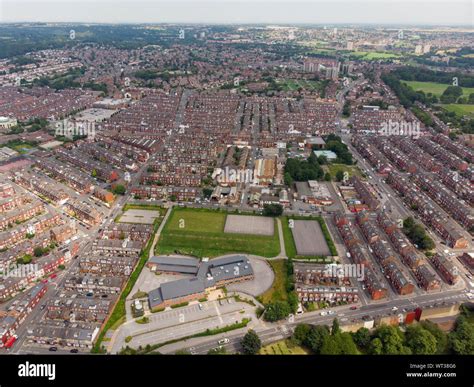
<point>236,188</point>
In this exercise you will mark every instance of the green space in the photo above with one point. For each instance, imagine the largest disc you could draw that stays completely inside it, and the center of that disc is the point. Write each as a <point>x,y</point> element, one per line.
<point>364,55</point>
<point>460,110</point>
<point>200,232</point>
<point>21,146</point>
<point>417,234</point>
<point>335,170</point>
<point>290,247</point>
<point>278,291</point>
<point>435,87</point>
<point>281,299</point>
<point>283,347</point>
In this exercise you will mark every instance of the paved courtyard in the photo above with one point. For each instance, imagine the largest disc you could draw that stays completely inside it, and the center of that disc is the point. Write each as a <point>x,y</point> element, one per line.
<point>139,216</point>
<point>260,284</point>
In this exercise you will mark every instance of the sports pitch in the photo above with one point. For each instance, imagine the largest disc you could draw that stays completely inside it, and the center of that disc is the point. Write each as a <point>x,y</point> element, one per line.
<point>255,225</point>
<point>309,238</point>
<point>200,233</point>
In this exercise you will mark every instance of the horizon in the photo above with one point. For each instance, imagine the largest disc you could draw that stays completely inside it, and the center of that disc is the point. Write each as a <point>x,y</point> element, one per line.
<point>458,13</point>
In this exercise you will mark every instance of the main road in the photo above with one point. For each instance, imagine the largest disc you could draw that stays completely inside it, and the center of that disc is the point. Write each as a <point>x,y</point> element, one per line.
<point>271,332</point>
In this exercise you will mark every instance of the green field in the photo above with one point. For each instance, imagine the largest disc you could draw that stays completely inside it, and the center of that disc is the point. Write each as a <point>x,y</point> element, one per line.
<point>278,290</point>
<point>22,148</point>
<point>460,110</point>
<point>200,233</point>
<point>290,246</point>
<point>364,55</point>
<point>283,347</point>
<point>351,169</point>
<point>435,88</point>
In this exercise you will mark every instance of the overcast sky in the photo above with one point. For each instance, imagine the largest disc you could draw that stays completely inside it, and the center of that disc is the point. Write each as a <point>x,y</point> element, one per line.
<point>415,12</point>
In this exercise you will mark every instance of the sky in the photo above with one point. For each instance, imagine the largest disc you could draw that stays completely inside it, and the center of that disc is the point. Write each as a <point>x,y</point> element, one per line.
<point>415,12</point>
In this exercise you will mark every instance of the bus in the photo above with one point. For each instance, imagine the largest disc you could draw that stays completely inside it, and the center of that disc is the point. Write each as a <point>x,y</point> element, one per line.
<point>11,340</point>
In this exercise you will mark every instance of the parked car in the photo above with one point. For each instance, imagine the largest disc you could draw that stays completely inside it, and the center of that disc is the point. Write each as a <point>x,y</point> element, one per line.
<point>74,350</point>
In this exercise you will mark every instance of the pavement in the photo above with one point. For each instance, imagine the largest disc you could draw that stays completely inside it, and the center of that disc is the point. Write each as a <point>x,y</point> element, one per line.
<point>181,322</point>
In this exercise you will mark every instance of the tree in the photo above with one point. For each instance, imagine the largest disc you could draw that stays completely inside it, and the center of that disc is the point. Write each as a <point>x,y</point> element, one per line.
<point>335,327</point>
<point>27,258</point>
<point>272,209</point>
<point>420,340</point>
<point>339,175</point>
<point>207,192</point>
<point>322,160</point>
<point>338,344</point>
<point>461,340</point>
<point>277,310</point>
<point>315,337</point>
<point>327,176</point>
<point>451,94</point>
<point>119,189</point>
<point>392,340</point>
<point>417,234</point>
<point>376,347</point>
<point>288,179</point>
<point>251,343</point>
<point>293,301</point>
<point>300,333</point>
<point>440,336</point>
<point>362,337</point>
<point>38,251</point>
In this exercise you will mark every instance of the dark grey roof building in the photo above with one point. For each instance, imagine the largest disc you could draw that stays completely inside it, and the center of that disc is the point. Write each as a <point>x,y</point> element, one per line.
<point>182,265</point>
<point>207,274</point>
